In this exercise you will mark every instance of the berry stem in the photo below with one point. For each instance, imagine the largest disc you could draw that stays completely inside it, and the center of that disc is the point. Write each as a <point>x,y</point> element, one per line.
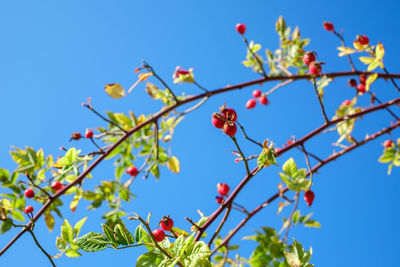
<point>248,138</point>
<point>98,147</point>
<point>320,100</point>
<point>376,99</point>
<point>137,217</point>
<point>201,87</point>
<point>38,187</point>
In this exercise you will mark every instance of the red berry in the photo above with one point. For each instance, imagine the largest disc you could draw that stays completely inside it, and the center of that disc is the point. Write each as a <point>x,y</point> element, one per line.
<point>230,129</point>
<point>346,102</point>
<point>181,72</point>
<point>309,197</point>
<point>28,209</point>
<point>241,28</point>
<point>29,193</point>
<point>159,235</point>
<point>328,26</point>
<point>362,39</point>
<point>388,143</point>
<point>217,120</point>
<point>237,160</point>
<point>56,186</point>
<point>263,100</point>
<point>256,93</point>
<point>88,133</point>
<point>223,189</point>
<point>219,199</point>
<point>361,88</point>
<point>75,136</point>
<point>362,78</point>
<point>132,171</point>
<point>315,68</point>
<point>229,114</point>
<point>352,82</point>
<point>308,57</point>
<point>251,103</point>
<point>166,223</point>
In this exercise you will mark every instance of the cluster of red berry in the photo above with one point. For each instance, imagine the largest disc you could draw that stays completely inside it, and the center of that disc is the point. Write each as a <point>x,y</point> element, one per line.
<point>251,103</point>
<point>361,86</point>
<point>225,120</point>
<point>166,224</point>
<point>223,190</point>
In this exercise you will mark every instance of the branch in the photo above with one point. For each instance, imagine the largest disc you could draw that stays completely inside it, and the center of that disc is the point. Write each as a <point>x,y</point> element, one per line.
<point>41,248</point>
<point>246,164</point>
<point>228,210</point>
<point>159,114</point>
<point>314,170</point>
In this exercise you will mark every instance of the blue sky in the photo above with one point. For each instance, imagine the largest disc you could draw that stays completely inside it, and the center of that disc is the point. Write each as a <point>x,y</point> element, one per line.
<point>55,54</point>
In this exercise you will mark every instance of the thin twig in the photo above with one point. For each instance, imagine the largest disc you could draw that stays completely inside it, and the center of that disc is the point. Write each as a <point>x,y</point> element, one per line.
<point>248,138</point>
<point>90,107</point>
<point>38,187</point>
<point>320,100</point>
<point>193,223</point>
<point>308,164</point>
<point>392,80</point>
<point>201,87</point>
<point>296,203</point>
<point>41,248</point>
<point>310,154</point>
<point>241,154</point>
<point>255,56</point>
<point>348,55</point>
<point>150,68</point>
<point>224,219</point>
<point>279,85</point>
<point>98,147</point>
<point>376,99</point>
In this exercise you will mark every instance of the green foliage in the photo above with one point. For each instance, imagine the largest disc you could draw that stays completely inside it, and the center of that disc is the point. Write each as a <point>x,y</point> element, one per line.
<point>346,127</point>
<point>391,155</point>
<point>294,178</point>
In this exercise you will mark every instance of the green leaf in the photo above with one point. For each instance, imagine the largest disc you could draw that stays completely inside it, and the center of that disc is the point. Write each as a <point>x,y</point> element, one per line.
<point>123,236</point>
<point>366,60</point>
<point>139,233</point>
<point>92,242</point>
<point>78,226</point>
<point>60,243</point>
<point>290,167</point>
<point>108,232</point>
<point>17,215</point>
<point>72,253</point>
<point>67,232</point>
<point>149,259</point>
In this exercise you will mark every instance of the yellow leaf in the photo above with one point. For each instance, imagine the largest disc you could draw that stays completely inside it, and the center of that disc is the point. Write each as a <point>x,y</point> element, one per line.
<point>49,219</point>
<point>114,90</point>
<point>366,60</point>
<point>74,203</point>
<point>373,65</point>
<point>345,51</point>
<point>379,51</point>
<point>6,204</point>
<point>173,164</point>
<point>144,76</point>
<point>370,80</point>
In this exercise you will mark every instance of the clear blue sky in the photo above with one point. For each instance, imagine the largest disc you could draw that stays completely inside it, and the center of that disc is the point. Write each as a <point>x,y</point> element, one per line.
<point>54,54</point>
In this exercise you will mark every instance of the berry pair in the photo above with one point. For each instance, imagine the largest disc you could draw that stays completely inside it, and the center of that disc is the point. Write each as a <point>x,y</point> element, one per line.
<point>225,120</point>
<point>223,190</point>
<point>166,224</point>
<point>361,89</point>
<point>314,67</point>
